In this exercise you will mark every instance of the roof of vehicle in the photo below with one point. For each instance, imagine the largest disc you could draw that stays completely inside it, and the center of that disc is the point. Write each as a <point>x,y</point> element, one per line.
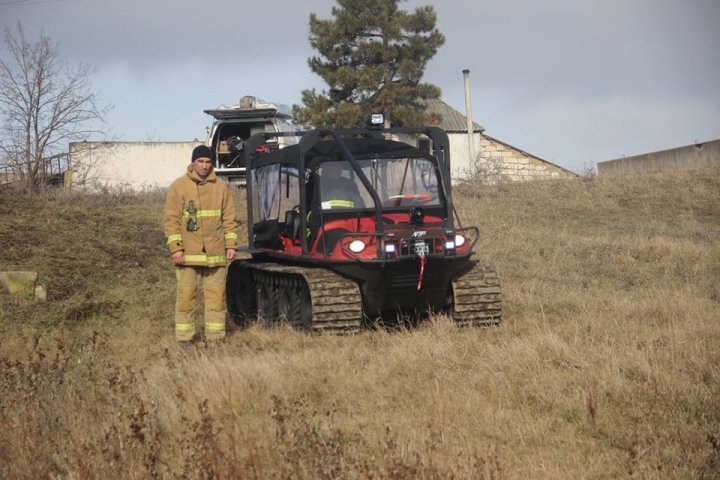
<point>250,108</point>
<point>359,147</point>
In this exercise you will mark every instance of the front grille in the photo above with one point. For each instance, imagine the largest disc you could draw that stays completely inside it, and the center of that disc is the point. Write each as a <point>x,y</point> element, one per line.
<point>405,281</point>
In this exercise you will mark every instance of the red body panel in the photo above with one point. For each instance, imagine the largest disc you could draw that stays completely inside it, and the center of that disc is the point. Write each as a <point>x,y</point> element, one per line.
<point>363,228</point>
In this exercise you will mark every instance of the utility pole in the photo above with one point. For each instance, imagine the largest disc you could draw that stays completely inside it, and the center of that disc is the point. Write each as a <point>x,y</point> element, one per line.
<point>468,117</point>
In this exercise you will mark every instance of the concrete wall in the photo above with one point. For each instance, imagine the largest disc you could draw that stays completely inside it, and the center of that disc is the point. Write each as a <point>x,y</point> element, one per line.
<point>134,166</point>
<point>460,164</point>
<point>700,155</point>
<point>498,160</point>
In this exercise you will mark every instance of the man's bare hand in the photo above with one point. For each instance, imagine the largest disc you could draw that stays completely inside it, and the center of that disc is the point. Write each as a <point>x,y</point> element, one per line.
<point>230,253</point>
<point>178,257</point>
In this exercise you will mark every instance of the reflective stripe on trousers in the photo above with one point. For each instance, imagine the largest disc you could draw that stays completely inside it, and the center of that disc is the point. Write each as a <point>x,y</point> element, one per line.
<point>210,260</point>
<point>189,278</point>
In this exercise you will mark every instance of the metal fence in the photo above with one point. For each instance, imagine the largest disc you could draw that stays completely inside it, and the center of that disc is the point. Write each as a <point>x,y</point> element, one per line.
<point>52,166</point>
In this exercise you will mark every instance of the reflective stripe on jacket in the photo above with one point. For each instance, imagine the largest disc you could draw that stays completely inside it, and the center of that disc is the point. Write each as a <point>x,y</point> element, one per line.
<point>328,204</point>
<point>214,216</point>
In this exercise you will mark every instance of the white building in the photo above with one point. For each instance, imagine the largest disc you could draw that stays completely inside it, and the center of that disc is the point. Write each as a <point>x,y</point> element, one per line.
<point>137,166</point>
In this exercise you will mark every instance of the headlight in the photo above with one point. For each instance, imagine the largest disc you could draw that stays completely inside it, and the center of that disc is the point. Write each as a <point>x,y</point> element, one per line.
<point>459,240</point>
<point>356,246</point>
<point>449,245</point>
<point>390,248</point>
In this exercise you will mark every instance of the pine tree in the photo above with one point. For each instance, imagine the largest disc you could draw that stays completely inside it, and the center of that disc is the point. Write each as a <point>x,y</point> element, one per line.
<point>372,56</point>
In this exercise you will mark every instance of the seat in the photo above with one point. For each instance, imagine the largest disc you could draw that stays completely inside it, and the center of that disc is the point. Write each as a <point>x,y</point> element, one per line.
<point>266,234</point>
<point>291,228</point>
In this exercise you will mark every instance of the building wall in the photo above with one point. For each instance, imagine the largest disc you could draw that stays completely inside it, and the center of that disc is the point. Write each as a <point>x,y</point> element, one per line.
<point>498,160</point>
<point>134,166</point>
<point>460,165</point>
<point>699,155</point>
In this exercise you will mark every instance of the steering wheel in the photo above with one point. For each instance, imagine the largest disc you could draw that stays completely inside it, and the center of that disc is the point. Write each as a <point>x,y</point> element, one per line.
<point>429,180</point>
<point>408,199</point>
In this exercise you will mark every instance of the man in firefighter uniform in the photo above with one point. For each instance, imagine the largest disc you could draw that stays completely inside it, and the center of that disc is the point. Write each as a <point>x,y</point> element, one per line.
<point>201,230</point>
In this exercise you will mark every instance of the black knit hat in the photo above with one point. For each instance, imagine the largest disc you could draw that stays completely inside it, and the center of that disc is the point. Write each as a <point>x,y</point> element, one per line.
<point>201,151</point>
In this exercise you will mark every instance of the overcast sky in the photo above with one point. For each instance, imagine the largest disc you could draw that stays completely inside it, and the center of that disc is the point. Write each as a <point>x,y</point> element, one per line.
<point>571,81</point>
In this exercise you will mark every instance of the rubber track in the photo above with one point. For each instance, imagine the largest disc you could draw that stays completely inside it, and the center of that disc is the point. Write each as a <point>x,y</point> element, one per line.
<point>477,298</point>
<point>336,301</point>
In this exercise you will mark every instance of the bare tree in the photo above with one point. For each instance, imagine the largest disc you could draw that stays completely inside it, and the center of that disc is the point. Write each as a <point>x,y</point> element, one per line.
<point>45,102</point>
<point>483,169</point>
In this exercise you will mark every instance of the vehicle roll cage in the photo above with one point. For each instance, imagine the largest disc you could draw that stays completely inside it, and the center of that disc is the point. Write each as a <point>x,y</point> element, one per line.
<point>440,151</point>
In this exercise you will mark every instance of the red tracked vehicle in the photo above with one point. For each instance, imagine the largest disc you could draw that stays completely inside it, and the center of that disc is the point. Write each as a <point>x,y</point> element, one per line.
<point>348,229</point>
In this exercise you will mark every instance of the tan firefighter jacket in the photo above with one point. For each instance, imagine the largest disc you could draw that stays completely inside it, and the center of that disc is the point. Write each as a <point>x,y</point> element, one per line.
<point>208,204</point>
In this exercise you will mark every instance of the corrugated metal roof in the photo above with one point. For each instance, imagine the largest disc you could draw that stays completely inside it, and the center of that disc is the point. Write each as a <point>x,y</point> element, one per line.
<point>446,117</point>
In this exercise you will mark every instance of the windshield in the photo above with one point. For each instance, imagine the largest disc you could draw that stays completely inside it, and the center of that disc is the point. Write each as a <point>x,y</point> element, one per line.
<point>399,182</point>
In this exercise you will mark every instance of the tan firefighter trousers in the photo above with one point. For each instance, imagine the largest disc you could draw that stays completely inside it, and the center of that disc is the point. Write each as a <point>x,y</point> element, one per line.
<point>213,282</point>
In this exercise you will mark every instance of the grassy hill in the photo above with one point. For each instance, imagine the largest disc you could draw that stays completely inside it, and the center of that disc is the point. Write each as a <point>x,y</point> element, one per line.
<point>607,363</point>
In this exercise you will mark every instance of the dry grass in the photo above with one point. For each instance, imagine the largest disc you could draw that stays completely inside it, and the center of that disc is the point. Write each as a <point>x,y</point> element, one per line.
<point>607,364</point>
